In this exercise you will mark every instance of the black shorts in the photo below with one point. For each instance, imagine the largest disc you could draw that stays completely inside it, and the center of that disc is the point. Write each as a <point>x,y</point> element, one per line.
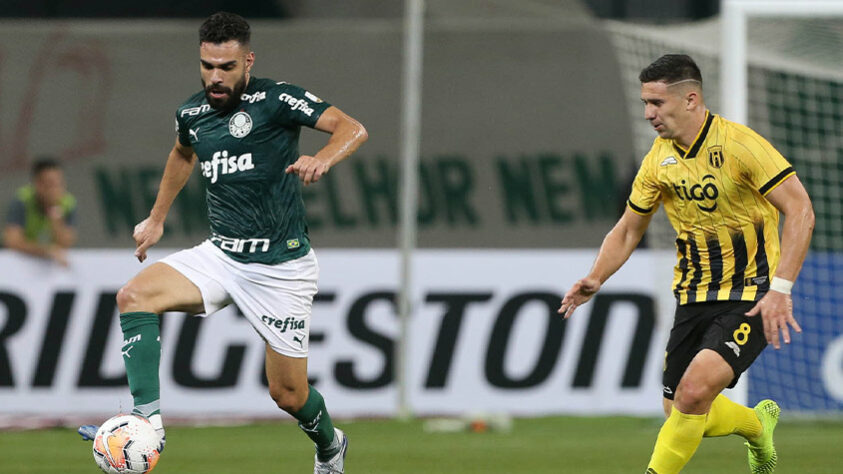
<point>720,326</point>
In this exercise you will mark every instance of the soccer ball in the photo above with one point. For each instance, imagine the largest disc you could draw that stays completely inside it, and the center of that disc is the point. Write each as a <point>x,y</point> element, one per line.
<point>126,444</point>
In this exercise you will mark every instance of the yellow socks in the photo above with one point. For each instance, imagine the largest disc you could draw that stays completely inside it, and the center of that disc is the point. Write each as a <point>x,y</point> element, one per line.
<point>678,440</point>
<point>726,417</point>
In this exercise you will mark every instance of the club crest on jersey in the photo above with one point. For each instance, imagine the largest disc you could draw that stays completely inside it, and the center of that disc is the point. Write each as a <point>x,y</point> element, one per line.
<point>715,156</point>
<point>240,125</point>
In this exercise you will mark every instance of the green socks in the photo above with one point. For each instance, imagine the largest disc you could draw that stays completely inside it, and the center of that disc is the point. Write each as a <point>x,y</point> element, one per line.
<point>315,421</point>
<point>142,356</point>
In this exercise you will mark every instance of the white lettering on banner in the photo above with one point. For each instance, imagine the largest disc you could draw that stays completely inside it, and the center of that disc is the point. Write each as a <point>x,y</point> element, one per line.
<point>494,344</point>
<point>296,104</point>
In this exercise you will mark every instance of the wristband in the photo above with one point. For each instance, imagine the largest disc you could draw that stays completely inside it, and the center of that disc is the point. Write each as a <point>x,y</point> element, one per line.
<point>781,285</point>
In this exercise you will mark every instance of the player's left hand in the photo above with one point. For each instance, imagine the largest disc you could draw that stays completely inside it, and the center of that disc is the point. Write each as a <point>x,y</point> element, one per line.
<point>308,168</point>
<point>776,311</point>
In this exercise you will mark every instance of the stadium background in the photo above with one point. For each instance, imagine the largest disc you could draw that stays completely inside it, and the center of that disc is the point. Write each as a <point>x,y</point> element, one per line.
<point>531,131</point>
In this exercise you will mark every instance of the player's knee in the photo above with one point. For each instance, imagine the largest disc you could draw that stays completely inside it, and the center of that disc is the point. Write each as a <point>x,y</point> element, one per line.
<point>691,397</point>
<point>288,398</point>
<point>131,297</point>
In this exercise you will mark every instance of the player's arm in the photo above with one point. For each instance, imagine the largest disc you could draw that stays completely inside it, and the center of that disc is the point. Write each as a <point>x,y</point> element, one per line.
<point>776,307</point>
<point>180,164</point>
<point>616,248</point>
<point>347,134</point>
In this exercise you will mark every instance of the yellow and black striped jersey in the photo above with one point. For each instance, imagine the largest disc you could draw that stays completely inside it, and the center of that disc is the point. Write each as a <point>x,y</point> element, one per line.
<point>727,232</point>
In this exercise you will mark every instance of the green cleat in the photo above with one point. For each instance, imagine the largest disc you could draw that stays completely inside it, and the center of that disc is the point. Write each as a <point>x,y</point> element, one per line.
<point>762,453</point>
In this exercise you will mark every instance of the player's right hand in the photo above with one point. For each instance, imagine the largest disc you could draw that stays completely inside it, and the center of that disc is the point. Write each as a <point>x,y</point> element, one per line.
<point>581,292</point>
<point>147,233</point>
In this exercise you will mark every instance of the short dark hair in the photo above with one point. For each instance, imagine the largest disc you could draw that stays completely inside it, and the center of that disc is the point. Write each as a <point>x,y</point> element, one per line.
<point>671,68</point>
<point>44,164</point>
<point>222,27</point>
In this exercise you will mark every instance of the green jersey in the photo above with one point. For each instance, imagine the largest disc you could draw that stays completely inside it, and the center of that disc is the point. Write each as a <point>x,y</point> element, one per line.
<point>255,209</point>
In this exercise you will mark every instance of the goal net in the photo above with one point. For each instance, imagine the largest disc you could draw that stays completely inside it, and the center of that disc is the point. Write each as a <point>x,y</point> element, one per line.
<point>795,100</point>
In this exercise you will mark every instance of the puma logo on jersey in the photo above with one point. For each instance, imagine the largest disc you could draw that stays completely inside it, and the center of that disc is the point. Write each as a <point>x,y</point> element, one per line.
<point>194,134</point>
<point>221,163</point>
<point>668,161</point>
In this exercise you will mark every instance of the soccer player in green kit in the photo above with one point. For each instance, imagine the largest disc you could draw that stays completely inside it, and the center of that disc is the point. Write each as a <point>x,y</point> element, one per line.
<point>244,133</point>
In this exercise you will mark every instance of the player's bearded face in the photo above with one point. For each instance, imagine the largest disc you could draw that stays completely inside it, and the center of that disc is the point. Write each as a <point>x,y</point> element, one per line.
<point>221,97</point>
<point>224,72</point>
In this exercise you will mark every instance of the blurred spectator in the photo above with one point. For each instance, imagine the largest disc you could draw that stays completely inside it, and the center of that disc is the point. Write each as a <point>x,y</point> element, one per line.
<point>42,216</point>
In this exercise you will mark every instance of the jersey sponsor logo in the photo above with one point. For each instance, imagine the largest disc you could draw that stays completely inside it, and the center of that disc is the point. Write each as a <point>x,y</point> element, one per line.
<point>252,98</point>
<point>221,163</point>
<point>240,125</point>
<point>670,160</point>
<point>715,156</point>
<point>700,194</point>
<point>194,133</point>
<point>283,324</point>
<point>241,245</point>
<point>312,97</point>
<point>194,111</point>
<point>296,104</point>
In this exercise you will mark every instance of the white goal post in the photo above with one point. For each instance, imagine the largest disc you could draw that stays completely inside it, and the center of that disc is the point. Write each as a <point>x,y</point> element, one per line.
<point>734,65</point>
<point>734,15</point>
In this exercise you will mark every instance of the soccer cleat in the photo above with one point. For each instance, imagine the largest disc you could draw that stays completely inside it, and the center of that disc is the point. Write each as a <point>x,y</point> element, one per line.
<point>762,452</point>
<point>89,433</point>
<point>335,465</point>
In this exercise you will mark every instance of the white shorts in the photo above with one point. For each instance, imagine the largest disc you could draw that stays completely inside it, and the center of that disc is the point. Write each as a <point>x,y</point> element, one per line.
<point>276,299</point>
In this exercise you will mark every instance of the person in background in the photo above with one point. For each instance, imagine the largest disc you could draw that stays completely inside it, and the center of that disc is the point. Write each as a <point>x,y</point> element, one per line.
<point>41,219</point>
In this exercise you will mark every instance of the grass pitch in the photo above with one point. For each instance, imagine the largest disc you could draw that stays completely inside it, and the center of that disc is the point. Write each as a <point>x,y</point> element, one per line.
<point>542,445</point>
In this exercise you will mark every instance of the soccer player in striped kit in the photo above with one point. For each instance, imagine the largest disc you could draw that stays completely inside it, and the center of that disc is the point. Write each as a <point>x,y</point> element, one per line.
<point>722,186</point>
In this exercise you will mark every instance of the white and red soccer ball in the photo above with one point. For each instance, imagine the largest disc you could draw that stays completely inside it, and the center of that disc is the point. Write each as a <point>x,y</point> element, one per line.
<point>126,444</point>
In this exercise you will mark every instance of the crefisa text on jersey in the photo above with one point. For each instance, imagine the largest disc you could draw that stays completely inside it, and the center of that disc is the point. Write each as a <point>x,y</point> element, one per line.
<point>252,98</point>
<point>221,163</point>
<point>296,104</point>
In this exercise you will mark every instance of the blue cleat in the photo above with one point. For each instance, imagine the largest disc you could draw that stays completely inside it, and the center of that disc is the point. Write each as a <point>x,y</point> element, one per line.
<point>88,432</point>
